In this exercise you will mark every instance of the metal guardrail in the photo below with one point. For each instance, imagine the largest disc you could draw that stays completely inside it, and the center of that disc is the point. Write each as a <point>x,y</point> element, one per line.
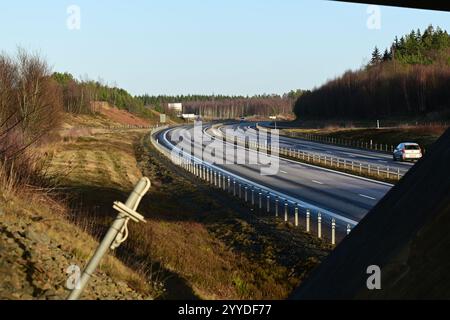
<point>358,144</point>
<point>351,143</point>
<point>340,164</point>
<point>262,199</point>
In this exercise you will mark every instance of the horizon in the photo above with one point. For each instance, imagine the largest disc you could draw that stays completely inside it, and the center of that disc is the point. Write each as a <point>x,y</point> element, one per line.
<point>175,48</point>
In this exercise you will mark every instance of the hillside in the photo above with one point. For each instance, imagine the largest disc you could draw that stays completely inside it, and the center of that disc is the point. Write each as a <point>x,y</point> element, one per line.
<point>191,246</point>
<point>406,235</point>
<point>411,80</point>
<point>39,235</point>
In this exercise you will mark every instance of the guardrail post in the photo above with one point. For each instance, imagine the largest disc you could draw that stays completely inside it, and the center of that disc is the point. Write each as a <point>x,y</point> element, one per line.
<point>240,193</point>
<point>319,225</point>
<point>220,180</point>
<point>296,215</point>
<point>308,220</point>
<point>260,200</point>
<point>398,173</point>
<point>286,208</point>
<point>349,229</point>
<point>215,178</point>
<point>253,197</point>
<point>268,204</point>
<point>333,232</point>
<point>229,184</point>
<point>234,187</point>
<point>276,207</point>
<point>246,194</point>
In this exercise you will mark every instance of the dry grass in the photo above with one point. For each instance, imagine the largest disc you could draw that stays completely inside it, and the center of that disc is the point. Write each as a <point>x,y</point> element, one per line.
<point>191,246</point>
<point>25,205</point>
<point>424,135</point>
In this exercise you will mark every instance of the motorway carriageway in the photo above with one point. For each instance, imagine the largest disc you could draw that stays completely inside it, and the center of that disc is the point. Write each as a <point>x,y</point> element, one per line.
<point>344,195</point>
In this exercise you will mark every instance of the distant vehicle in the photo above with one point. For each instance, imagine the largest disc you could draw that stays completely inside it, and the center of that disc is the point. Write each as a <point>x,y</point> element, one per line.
<point>407,151</point>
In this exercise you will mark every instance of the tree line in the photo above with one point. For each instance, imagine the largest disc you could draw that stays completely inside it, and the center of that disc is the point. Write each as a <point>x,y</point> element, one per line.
<point>78,95</point>
<point>225,106</point>
<point>411,79</point>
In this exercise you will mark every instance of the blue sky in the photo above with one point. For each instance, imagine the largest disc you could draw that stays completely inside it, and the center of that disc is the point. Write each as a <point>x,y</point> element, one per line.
<point>199,46</point>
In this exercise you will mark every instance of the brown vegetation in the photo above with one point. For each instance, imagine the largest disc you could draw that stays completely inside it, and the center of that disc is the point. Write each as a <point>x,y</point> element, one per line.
<point>30,107</point>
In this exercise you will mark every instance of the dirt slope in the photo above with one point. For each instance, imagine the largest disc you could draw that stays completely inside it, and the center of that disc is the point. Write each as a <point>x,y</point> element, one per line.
<point>406,234</point>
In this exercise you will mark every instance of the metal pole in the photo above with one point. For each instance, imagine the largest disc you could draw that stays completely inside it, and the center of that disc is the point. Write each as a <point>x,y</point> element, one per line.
<point>132,203</point>
<point>276,207</point>
<point>296,216</point>
<point>260,200</point>
<point>333,232</point>
<point>319,225</point>
<point>286,211</point>
<point>308,221</point>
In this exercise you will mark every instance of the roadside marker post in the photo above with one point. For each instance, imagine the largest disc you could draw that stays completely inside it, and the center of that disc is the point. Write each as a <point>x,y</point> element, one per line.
<point>296,215</point>
<point>308,220</point>
<point>333,232</point>
<point>286,208</point>
<point>260,201</point>
<point>276,207</point>
<point>319,225</point>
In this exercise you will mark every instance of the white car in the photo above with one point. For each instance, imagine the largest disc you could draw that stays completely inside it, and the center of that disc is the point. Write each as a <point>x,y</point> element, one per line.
<point>407,151</point>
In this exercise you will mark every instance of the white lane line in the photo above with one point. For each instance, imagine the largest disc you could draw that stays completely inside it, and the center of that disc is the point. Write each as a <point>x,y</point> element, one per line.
<point>368,197</point>
<point>382,161</point>
<point>318,182</point>
<point>283,172</point>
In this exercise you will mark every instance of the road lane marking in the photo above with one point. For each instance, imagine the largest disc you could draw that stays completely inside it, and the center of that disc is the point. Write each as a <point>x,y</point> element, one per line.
<point>283,172</point>
<point>368,197</point>
<point>318,182</point>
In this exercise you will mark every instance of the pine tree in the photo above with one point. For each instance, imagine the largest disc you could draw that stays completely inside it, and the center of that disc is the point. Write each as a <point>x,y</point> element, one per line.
<point>387,55</point>
<point>376,56</point>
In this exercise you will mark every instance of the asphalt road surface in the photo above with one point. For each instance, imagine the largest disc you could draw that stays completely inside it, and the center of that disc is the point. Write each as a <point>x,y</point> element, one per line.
<point>347,196</point>
<point>375,159</point>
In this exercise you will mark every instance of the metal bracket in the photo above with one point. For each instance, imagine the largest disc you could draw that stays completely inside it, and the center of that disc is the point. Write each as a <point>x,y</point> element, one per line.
<point>129,214</point>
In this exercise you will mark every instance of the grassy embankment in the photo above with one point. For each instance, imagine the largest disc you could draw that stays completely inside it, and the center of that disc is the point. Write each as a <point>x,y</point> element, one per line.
<point>423,135</point>
<point>192,246</point>
<point>38,242</point>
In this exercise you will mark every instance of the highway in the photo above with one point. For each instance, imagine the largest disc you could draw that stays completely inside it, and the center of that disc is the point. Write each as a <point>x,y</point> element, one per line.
<point>350,154</point>
<point>343,195</point>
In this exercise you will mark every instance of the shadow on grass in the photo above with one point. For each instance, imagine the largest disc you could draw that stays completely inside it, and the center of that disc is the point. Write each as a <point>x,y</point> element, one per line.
<point>93,206</point>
